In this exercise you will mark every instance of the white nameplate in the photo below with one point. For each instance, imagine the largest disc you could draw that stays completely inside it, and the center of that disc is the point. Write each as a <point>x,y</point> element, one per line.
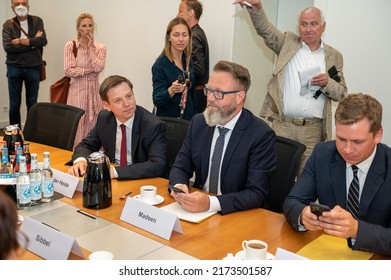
<point>48,242</point>
<point>150,218</point>
<point>65,183</point>
<point>282,254</point>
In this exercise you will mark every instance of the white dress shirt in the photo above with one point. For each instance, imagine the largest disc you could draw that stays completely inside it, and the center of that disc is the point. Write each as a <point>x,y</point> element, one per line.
<point>297,105</point>
<point>214,202</point>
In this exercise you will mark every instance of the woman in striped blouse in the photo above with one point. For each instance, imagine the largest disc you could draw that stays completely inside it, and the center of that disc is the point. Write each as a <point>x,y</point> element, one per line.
<point>84,69</point>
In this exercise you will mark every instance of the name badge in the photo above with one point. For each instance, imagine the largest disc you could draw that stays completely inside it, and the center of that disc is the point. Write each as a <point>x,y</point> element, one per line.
<point>150,218</point>
<point>48,242</point>
<point>65,183</point>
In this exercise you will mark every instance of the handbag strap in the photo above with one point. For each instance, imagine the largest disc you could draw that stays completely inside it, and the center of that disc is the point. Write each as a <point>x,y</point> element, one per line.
<point>74,48</point>
<point>27,35</point>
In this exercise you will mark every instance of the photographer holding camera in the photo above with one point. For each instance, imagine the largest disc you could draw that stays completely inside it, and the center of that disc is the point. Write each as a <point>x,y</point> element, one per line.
<point>173,75</point>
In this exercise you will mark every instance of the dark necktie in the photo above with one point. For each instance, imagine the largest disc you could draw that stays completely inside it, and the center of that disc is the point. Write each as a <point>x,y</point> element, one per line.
<point>216,160</point>
<point>124,152</point>
<point>353,194</point>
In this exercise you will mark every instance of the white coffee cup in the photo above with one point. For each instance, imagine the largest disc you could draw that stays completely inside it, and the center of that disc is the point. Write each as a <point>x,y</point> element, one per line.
<point>255,249</point>
<point>148,193</point>
<point>101,255</point>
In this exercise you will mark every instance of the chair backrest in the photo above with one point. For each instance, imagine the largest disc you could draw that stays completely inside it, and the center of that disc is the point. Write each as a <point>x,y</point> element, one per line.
<point>176,130</point>
<point>52,124</point>
<point>288,154</point>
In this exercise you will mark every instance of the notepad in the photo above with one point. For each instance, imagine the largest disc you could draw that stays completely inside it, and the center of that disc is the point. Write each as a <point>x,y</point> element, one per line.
<point>188,216</point>
<point>327,247</point>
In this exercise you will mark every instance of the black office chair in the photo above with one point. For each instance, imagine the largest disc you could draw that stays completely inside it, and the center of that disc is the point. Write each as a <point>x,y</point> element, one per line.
<point>52,124</point>
<point>176,130</point>
<point>288,154</point>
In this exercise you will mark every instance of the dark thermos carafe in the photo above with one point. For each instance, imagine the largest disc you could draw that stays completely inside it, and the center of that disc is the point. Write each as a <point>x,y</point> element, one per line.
<point>97,184</point>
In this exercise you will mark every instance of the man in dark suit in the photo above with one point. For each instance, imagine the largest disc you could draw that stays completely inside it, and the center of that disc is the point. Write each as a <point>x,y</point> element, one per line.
<point>355,158</point>
<point>248,160</point>
<point>145,153</point>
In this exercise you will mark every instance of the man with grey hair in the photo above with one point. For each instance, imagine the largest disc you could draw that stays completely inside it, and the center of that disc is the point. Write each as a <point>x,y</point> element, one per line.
<point>306,78</point>
<point>228,148</point>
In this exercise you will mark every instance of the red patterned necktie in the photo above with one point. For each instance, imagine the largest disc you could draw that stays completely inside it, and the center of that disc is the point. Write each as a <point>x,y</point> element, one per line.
<point>123,157</point>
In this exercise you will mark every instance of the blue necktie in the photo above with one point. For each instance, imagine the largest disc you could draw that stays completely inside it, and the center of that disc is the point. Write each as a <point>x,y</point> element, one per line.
<point>353,194</point>
<point>216,160</point>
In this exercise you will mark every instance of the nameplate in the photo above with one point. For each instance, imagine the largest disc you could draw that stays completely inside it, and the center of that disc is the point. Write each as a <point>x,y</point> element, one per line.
<point>150,218</point>
<point>65,183</point>
<point>48,242</point>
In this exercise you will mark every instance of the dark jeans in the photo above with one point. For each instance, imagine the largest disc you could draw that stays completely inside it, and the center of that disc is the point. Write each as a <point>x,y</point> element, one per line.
<point>16,76</point>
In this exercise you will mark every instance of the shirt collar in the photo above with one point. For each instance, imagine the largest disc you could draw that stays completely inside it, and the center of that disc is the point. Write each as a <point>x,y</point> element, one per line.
<point>128,123</point>
<point>306,47</point>
<point>231,124</point>
<point>366,164</point>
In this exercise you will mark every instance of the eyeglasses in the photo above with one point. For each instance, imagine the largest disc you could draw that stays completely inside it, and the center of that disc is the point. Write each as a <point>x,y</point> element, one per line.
<point>218,94</point>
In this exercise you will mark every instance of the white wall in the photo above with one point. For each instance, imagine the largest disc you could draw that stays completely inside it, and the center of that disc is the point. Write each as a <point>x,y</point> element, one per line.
<point>360,30</point>
<point>133,32</point>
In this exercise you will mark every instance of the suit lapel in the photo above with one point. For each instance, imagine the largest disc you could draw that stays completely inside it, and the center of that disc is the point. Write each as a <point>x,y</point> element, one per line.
<point>111,134</point>
<point>234,140</point>
<point>136,130</point>
<point>286,54</point>
<point>338,177</point>
<point>208,135</point>
<point>374,180</point>
<point>330,60</point>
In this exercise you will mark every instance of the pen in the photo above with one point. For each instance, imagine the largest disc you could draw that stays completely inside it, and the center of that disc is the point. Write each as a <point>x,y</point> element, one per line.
<point>247,4</point>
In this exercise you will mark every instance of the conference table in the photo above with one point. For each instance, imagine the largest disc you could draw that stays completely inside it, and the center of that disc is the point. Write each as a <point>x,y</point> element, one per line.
<point>210,239</point>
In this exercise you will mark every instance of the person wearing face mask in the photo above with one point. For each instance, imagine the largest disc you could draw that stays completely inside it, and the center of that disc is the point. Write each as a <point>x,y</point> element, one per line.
<point>173,73</point>
<point>84,72</point>
<point>24,56</point>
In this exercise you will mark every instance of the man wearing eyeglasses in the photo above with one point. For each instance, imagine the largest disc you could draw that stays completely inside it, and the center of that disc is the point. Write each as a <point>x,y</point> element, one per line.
<point>23,40</point>
<point>228,148</point>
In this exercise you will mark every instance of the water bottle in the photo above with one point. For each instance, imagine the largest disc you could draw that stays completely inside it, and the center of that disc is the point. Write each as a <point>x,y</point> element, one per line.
<point>35,181</point>
<point>6,168</point>
<point>23,199</point>
<point>16,165</point>
<point>47,174</point>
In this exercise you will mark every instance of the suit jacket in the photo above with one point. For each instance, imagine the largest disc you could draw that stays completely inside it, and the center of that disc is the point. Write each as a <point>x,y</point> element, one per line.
<point>149,144</point>
<point>247,166</point>
<point>286,45</point>
<point>324,178</point>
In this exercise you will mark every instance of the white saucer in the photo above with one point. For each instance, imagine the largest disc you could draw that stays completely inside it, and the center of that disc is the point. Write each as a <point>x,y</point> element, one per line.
<point>242,255</point>
<point>159,199</point>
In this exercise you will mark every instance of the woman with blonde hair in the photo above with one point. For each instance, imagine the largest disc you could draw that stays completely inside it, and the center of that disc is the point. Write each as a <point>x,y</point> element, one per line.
<point>173,74</point>
<point>84,69</point>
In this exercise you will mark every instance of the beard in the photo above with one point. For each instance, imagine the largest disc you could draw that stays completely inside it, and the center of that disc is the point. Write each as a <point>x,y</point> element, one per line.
<point>220,116</point>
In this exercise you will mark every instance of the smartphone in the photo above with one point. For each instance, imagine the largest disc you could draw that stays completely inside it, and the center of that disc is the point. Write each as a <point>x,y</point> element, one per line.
<point>318,209</point>
<point>175,189</point>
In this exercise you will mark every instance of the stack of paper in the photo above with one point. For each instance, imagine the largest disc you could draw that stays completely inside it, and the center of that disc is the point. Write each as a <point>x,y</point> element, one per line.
<point>187,216</point>
<point>327,247</point>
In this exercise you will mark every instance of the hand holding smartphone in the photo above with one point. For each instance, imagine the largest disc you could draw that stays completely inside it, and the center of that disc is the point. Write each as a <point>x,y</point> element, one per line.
<point>318,209</point>
<point>175,189</point>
